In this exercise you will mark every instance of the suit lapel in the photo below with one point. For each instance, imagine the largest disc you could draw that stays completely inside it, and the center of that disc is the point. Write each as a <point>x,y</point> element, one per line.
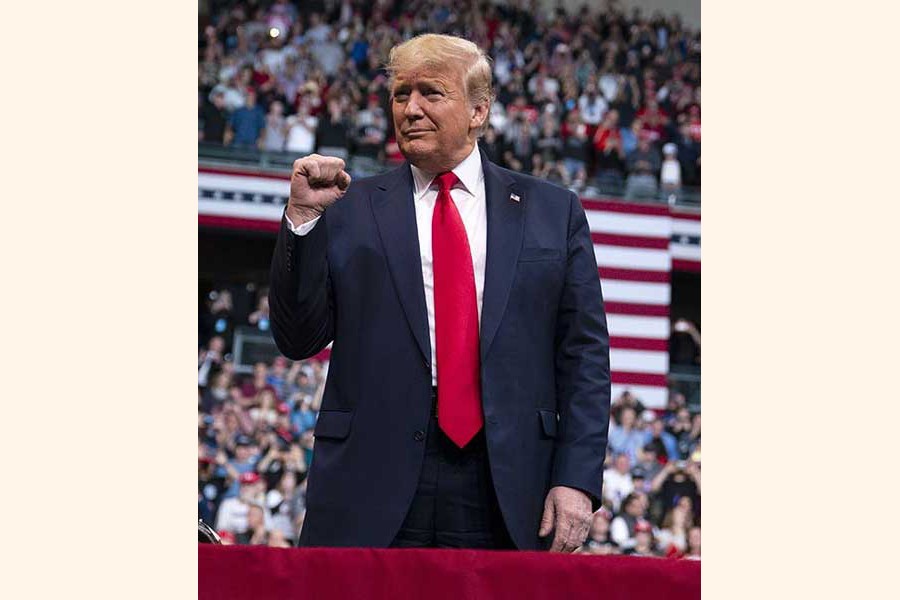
<point>395,217</point>
<point>505,219</point>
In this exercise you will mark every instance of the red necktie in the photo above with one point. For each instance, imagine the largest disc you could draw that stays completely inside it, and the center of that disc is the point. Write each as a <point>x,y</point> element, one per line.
<point>455,320</point>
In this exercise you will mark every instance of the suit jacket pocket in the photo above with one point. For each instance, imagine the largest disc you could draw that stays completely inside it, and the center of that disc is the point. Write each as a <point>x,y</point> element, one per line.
<point>549,422</point>
<point>333,424</point>
<point>538,254</point>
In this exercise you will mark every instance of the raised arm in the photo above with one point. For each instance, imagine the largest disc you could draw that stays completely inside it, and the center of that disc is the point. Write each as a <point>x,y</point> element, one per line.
<point>300,304</point>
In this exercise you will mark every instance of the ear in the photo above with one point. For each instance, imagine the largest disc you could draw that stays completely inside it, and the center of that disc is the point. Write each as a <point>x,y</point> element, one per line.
<point>479,115</point>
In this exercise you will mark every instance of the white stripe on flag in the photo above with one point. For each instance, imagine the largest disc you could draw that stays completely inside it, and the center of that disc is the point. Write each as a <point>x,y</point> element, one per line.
<point>685,227</point>
<point>246,210</point>
<point>650,397</point>
<point>621,257</point>
<point>238,183</point>
<point>639,361</point>
<point>637,326</point>
<point>685,251</point>
<point>628,224</point>
<point>639,292</point>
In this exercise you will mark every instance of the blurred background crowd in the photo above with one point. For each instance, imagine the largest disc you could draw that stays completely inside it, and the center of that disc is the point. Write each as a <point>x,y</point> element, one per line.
<point>599,100</point>
<point>256,420</point>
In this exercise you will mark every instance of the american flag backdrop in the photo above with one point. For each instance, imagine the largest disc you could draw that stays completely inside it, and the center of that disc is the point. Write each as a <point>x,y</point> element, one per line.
<point>631,243</point>
<point>634,245</point>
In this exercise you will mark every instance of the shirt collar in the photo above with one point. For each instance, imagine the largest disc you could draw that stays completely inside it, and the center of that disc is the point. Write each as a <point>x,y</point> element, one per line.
<point>469,171</point>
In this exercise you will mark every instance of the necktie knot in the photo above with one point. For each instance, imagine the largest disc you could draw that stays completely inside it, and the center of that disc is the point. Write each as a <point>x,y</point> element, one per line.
<point>446,181</point>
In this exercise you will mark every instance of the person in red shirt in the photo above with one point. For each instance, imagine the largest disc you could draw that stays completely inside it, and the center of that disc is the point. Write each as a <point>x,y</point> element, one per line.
<point>609,155</point>
<point>694,122</point>
<point>609,128</point>
<point>654,119</point>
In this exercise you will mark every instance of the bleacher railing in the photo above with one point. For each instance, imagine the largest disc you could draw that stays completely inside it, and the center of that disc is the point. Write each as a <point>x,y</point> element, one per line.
<point>272,162</point>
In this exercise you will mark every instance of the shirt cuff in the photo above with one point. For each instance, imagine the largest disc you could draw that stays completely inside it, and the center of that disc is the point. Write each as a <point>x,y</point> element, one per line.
<point>303,228</point>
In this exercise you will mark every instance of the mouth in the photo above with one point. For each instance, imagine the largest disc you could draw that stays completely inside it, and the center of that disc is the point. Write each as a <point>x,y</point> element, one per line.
<point>412,132</point>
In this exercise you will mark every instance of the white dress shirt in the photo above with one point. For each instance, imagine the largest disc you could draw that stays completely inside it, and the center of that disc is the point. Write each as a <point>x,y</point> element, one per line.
<point>469,197</point>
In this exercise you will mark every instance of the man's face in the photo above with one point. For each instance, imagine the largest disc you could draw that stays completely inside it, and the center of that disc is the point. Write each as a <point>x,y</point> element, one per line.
<point>433,117</point>
<point>255,517</point>
<point>242,453</point>
<point>635,508</point>
<point>217,344</point>
<point>622,463</point>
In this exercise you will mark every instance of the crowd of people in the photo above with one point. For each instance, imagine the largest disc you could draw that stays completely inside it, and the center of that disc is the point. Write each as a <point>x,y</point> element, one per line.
<point>596,99</point>
<point>256,442</point>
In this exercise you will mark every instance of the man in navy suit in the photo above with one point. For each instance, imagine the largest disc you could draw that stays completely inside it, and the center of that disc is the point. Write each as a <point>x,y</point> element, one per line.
<point>467,399</point>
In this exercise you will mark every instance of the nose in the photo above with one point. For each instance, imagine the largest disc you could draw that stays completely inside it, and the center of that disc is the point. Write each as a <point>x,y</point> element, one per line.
<point>413,110</point>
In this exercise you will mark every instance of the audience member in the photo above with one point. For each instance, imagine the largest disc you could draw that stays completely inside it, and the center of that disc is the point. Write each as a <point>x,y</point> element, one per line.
<point>274,134</point>
<point>247,123</point>
<point>643,170</point>
<point>214,119</point>
<point>623,527</point>
<point>617,482</point>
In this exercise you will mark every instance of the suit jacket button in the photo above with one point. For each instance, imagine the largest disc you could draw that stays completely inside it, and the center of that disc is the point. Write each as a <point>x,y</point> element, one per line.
<point>419,435</point>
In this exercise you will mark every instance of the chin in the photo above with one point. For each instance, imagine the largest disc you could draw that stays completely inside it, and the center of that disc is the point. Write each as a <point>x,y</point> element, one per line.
<point>417,151</point>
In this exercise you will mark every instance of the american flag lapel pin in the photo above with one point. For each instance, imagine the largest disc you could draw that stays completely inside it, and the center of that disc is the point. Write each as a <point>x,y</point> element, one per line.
<point>514,198</point>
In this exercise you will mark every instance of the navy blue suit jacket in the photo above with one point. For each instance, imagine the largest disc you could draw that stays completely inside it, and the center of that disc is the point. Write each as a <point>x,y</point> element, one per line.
<point>356,279</point>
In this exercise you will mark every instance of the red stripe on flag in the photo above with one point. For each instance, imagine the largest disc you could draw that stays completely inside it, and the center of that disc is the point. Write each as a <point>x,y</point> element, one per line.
<point>633,343</point>
<point>625,207</point>
<point>631,241</point>
<point>679,264</point>
<point>633,275</point>
<point>630,308</point>
<point>242,173</point>
<point>239,223</point>
<point>685,215</point>
<point>625,377</point>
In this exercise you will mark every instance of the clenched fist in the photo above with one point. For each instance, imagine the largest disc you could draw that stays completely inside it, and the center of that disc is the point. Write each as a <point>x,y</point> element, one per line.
<point>316,183</point>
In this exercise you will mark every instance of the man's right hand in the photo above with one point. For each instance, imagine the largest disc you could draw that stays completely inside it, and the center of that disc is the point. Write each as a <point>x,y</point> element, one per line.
<point>316,183</point>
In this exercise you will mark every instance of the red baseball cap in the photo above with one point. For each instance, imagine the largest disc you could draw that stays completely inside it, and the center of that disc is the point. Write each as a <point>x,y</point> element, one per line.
<point>248,478</point>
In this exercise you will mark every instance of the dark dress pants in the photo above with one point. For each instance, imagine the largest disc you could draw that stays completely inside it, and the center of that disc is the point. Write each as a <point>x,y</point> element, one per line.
<point>455,505</point>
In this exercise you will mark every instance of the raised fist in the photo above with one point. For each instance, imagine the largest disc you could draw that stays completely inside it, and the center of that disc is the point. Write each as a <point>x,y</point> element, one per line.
<point>316,183</point>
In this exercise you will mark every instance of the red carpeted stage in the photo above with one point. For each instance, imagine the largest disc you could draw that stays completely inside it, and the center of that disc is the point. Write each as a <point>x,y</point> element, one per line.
<point>259,572</point>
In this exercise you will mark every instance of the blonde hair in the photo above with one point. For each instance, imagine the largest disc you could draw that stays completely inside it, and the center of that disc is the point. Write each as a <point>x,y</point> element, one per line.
<point>435,51</point>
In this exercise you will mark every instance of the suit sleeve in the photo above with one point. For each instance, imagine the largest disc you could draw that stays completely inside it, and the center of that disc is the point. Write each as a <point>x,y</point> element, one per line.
<point>582,366</point>
<point>301,308</point>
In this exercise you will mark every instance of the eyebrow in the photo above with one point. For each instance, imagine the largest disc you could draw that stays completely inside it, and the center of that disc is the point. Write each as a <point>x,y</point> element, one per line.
<point>422,83</point>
